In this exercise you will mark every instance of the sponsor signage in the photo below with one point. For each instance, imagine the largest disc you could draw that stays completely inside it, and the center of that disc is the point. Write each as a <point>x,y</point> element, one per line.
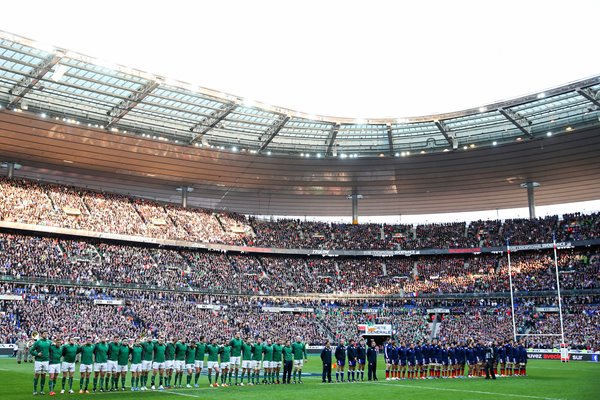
<point>438,311</point>
<point>573,355</point>
<point>375,330</point>
<point>288,309</point>
<point>370,310</point>
<point>11,297</point>
<point>211,307</point>
<point>546,309</point>
<point>109,302</point>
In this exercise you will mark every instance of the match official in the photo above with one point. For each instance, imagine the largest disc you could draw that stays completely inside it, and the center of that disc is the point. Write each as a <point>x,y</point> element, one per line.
<point>326,358</point>
<point>372,360</point>
<point>490,359</point>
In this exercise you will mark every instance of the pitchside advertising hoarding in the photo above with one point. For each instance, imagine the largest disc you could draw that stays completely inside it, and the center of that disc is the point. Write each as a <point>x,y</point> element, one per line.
<point>375,330</point>
<point>574,355</point>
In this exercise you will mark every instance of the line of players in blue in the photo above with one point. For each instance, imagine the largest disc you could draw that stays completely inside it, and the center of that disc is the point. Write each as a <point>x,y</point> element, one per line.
<point>431,360</point>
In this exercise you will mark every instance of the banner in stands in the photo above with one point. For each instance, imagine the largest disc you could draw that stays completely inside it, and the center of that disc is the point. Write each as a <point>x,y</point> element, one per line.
<point>574,355</point>
<point>7,349</point>
<point>375,330</point>
<point>438,311</point>
<point>288,309</point>
<point>546,309</point>
<point>11,297</point>
<point>211,307</point>
<point>109,302</point>
<point>370,310</point>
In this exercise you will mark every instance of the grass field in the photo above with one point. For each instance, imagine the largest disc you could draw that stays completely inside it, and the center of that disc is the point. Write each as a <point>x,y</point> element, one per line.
<point>546,380</point>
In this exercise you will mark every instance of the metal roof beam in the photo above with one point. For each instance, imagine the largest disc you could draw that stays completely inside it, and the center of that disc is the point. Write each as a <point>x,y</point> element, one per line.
<point>28,82</point>
<point>273,131</point>
<point>210,122</point>
<point>447,133</point>
<point>333,134</point>
<point>390,139</point>
<point>116,113</point>
<point>591,95</point>
<point>518,120</point>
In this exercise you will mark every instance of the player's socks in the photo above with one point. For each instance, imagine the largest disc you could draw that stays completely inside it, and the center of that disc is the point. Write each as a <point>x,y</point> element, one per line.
<point>196,377</point>
<point>50,385</point>
<point>95,382</point>
<point>210,378</point>
<point>64,382</point>
<point>35,382</point>
<point>362,375</point>
<point>42,382</point>
<point>70,383</point>
<point>188,379</point>
<point>337,375</point>
<point>387,373</point>
<point>243,372</point>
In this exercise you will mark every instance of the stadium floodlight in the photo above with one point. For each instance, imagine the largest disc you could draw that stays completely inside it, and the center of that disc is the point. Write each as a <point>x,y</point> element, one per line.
<point>541,95</point>
<point>482,109</point>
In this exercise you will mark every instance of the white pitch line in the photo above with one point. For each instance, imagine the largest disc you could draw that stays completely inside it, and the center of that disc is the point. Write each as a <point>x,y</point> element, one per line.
<point>467,391</point>
<point>182,394</point>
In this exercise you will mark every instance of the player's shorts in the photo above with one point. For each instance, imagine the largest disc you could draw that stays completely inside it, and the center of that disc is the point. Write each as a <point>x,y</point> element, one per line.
<point>41,366</point>
<point>112,366</point>
<point>169,364</point>
<point>419,361</point>
<point>224,365</point>
<point>84,368</point>
<point>501,360</point>
<point>121,368</point>
<point>199,364</point>
<point>300,363</point>
<point>411,363</point>
<point>178,365</point>
<point>340,363</point>
<point>190,366</point>
<point>101,367</point>
<point>445,362</point>
<point>136,367</point>
<point>472,362</point>
<point>54,368</point>
<point>388,361</point>
<point>146,365</point>
<point>426,360</point>
<point>402,363</point>
<point>513,360</point>
<point>213,365</point>
<point>158,365</point>
<point>246,364</point>
<point>235,361</point>
<point>361,361</point>
<point>67,367</point>
<point>256,364</point>
<point>276,364</point>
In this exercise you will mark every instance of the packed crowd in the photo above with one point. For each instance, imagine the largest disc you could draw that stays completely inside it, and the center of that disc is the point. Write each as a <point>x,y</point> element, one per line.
<point>78,311</point>
<point>31,202</point>
<point>107,263</point>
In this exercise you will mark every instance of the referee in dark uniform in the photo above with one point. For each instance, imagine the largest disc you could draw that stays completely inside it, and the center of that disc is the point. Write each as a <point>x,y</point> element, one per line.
<point>491,354</point>
<point>326,358</point>
<point>372,361</point>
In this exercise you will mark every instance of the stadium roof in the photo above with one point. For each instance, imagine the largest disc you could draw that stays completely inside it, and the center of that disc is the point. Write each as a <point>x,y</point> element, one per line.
<point>59,83</point>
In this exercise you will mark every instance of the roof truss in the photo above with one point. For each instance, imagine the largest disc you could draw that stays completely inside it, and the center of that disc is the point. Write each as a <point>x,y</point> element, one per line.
<point>273,131</point>
<point>390,139</point>
<point>332,135</point>
<point>447,133</point>
<point>591,95</point>
<point>28,82</point>
<point>116,113</point>
<point>518,120</point>
<point>210,122</point>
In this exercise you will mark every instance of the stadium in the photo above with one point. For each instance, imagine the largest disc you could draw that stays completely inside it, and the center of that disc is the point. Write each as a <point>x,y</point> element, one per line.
<point>161,237</point>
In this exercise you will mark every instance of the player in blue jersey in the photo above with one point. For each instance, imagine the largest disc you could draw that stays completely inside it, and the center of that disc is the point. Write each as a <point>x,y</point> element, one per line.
<point>452,361</point>
<point>361,350</point>
<point>411,361</point>
<point>471,359</point>
<point>387,346</point>
<point>501,359</point>
<point>340,360</point>
<point>419,359</point>
<point>400,362</point>
<point>522,359</point>
<point>352,360</point>
<point>445,363</point>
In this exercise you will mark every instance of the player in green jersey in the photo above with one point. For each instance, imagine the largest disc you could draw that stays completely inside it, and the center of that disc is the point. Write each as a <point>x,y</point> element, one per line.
<point>158,364</point>
<point>267,362</point>
<point>123,361</point>
<point>236,354</point>
<point>257,353</point>
<point>169,361</point>
<point>225,357</point>
<point>54,365</point>
<point>41,351</point>
<point>113,357</point>
<point>213,362</point>
<point>199,358</point>
<point>85,368</point>
<point>246,359</point>
<point>136,364</point>
<point>277,357</point>
<point>100,363</point>
<point>190,362</point>
<point>299,350</point>
<point>69,353</point>
<point>288,360</point>
<point>179,364</point>
<point>147,358</point>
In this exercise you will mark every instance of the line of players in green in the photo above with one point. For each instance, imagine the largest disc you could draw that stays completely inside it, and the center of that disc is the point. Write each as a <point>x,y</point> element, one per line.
<point>107,362</point>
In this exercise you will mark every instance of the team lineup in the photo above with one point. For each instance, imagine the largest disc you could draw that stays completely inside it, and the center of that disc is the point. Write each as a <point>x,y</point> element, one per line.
<point>162,363</point>
<point>159,364</point>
